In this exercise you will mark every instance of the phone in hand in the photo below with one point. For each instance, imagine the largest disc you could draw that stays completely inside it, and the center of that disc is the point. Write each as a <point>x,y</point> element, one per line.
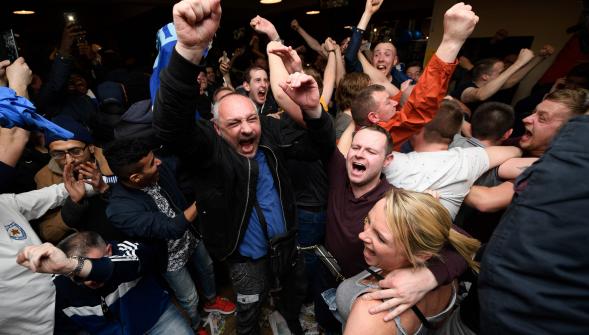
<point>70,18</point>
<point>8,48</point>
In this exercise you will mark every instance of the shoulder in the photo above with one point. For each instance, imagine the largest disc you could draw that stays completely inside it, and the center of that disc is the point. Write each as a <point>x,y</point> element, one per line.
<point>45,177</point>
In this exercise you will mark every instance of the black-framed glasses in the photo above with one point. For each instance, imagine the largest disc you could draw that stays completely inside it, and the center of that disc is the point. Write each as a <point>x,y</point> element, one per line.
<point>74,152</point>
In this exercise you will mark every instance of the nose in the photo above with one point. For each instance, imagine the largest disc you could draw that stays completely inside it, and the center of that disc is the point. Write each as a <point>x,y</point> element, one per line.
<point>68,158</point>
<point>245,128</point>
<point>528,119</point>
<point>364,237</point>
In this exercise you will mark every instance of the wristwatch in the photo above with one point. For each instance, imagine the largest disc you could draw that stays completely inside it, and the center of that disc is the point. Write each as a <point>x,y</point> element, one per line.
<point>78,268</point>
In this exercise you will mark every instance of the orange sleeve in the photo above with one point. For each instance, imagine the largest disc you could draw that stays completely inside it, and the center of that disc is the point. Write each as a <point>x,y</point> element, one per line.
<point>423,102</point>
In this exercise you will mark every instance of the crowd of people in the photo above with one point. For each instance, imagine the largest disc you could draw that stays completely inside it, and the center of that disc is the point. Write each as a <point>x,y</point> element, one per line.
<point>395,199</point>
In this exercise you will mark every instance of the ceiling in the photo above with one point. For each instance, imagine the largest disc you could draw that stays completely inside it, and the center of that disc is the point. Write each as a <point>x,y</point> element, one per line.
<point>132,24</point>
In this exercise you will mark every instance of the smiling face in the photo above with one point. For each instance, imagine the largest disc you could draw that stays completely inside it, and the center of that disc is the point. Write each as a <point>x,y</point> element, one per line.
<point>384,57</point>
<point>257,87</point>
<point>381,247</point>
<point>366,159</point>
<point>239,124</point>
<point>542,126</point>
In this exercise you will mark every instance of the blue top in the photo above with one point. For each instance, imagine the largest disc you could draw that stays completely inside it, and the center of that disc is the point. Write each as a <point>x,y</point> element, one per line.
<point>254,243</point>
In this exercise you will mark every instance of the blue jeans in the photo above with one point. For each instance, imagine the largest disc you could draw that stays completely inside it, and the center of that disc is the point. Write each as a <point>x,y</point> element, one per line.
<point>311,232</point>
<point>183,286</point>
<point>171,322</point>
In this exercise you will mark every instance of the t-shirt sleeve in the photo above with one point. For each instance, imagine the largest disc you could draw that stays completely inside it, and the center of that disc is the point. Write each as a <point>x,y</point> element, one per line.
<point>477,160</point>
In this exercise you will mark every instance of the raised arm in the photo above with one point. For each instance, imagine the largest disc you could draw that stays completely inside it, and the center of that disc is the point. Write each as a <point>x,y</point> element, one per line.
<point>310,40</point>
<point>483,93</point>
<point>196,23</point>
<point>459,22</point>
<point>282,61</point>
<point>19,77</point>
<point>329,74</point>
<point>520,74</point>
<point>376,77</point>
<point>351,57</point>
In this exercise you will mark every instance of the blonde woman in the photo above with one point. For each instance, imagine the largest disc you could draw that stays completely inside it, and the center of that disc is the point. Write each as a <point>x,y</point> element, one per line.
<point>403,230</point>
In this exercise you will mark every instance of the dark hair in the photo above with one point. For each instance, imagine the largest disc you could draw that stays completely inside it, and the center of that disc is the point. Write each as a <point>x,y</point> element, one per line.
<point>379,129</point>
<point>124,155</point>
<point>412,64</point>
<point>349,87</point>
<point>247,74</point>
<point>315,74</point>
<point>446,123</point>
<point>79,244</point>
<point>484,66</point>
<point>491,120</point>
<point>364,104</point>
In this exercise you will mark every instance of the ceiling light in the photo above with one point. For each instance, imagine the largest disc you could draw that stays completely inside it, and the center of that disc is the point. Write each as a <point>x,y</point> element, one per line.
<point>313,12</point>
<point>23,12</point>
<point>269,2</point>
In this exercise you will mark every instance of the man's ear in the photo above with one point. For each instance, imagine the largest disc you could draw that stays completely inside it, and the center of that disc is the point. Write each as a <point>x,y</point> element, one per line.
<point>506,134</point>
<point>246,86</point>
<point>108,250</point>
<point>387,160</point>
<point>91,148</point>
<point>395,60</point>
<point>217,129</point>
<point>135,178</point>
<point>372,117</point>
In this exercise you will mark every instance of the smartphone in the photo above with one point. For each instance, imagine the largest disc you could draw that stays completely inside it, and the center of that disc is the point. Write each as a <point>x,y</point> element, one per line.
<point>8,48</point>
<point>70,17</point>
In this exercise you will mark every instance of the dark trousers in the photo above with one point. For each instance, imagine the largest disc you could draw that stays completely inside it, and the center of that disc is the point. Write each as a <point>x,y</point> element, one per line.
<point>324,280</point>
<point>252,281</point>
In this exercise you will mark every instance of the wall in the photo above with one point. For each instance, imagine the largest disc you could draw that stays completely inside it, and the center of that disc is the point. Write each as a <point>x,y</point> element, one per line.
<point>545,20</point>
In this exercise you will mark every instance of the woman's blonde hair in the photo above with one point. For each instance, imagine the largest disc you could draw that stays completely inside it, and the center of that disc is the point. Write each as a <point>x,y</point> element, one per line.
<point>423,226</point>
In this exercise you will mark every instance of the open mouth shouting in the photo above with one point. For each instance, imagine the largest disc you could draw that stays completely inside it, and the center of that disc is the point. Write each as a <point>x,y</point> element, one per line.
<point>247,146</point>
<point>261,96</point>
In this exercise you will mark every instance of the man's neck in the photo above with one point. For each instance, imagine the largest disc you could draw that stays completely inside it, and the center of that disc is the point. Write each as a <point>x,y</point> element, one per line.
<point>361,190</point>
<point>431,147</point>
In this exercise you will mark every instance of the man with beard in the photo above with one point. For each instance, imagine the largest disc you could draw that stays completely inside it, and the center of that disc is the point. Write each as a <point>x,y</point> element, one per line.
<point>89,165</point>
<point>243,191</point>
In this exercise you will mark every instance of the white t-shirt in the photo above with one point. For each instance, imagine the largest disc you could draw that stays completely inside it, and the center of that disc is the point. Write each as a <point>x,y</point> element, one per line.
<point>450,172</point>
<point>27,299</point>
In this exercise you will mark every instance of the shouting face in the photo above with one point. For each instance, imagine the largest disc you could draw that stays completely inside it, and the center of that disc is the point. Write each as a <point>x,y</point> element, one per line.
<point>238,124</point>
<point>366,159</point>
<point>257,87</point>
<point>384,57</point>
<point>543,125</point>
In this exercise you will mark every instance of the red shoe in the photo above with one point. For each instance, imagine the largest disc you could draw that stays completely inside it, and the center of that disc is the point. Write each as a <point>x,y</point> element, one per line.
<point>221,305</point>
<point>201,331</point>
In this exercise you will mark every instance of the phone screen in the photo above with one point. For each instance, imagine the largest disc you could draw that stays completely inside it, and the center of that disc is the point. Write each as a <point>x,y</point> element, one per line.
<point>70,17</point>
<point>8,48</point>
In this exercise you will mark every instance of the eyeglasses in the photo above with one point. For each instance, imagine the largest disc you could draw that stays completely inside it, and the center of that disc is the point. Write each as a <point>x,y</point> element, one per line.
<point>74,152</point>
